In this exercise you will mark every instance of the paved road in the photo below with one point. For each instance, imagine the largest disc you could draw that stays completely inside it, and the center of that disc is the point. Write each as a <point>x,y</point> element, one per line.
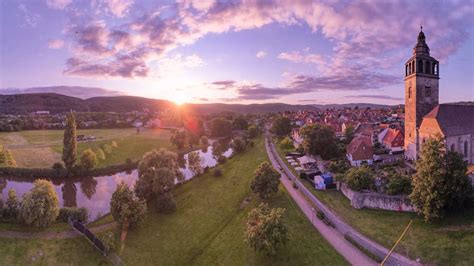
<point>335,238</point>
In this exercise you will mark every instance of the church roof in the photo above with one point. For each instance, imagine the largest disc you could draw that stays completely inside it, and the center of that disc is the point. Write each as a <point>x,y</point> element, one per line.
<point>454,119</point>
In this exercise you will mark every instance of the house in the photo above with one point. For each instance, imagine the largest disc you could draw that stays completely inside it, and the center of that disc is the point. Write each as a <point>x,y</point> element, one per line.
<point>360,151</point>
<point>392,138</point>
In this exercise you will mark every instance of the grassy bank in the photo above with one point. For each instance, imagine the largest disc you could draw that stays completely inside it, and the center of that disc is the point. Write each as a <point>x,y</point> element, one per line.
<point>209,224</point>
<point>445,243</point>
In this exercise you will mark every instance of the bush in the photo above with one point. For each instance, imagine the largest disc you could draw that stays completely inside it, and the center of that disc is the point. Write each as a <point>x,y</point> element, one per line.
<point>399,184</point>
<point>58,167</point>
<point>165,203</point>
<point>359,178</point>
<point>221,159</point>
<point>217,172</point>
<point>239,145</point>
<point>88,159</point>
<point>40,206</point>
<point>109,241</point>
<point>73,214</point>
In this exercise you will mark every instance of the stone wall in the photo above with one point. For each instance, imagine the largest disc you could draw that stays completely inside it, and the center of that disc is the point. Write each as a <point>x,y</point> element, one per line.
<point>374,200</point>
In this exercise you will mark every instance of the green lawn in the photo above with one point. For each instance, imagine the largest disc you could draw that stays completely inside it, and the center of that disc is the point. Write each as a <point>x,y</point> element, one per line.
<point>75,251</point>
<point>208,227</point>
<point>129,145</point>
<point>450,242</point>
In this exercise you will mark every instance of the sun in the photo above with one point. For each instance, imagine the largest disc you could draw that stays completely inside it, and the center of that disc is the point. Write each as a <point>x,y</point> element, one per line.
<point>180,99</point>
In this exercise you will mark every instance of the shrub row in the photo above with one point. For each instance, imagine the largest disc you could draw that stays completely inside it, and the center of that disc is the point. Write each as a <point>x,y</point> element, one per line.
<point>73,214</point>
<point>60,173</point>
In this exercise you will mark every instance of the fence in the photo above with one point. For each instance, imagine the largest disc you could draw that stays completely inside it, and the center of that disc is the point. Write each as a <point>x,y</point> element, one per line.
<point>90,236</point>
<point>343,228</point>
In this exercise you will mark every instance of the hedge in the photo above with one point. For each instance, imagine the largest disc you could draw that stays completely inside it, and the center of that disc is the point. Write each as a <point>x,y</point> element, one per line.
<point>73,214</point>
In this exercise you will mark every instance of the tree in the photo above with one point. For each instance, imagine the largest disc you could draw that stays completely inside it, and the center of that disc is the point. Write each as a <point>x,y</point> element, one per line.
<point>204,141</point>
<point>12,204</point>
<point>6,158</point>
<point>221,127</point>
<point>100,154</point>
<point>286,144</point>
<point>126,209</point>
<point>253,132</point>
<point>179,138</point>
<point>359,178</point>
<point>440,182</point>
<point>320,139</point>
<point>349,133</point>
<point>157,173</point>
<point>239,145</point>
<point>40,206</point>
<point>266,181</point>
<point>195,162</point>
<point>88,159</point>
<point>70,142</point>
<point>338,167</point>
<point>240,123</point>
<point>399,184</point>
<point>266,230</point>
<point>281,126</point>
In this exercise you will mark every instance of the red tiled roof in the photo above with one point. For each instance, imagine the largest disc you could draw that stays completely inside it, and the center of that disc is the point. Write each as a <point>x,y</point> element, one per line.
<point>360,148</point>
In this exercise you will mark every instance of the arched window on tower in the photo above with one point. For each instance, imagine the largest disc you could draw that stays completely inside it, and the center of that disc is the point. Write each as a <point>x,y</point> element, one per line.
<point>420,67</point>
<point>466,146</point>
<point>427,67</point>
<point>453,147</point>
<point>413,66</point>
<point>409,92</point>
<point>435,69</point>
<point>406,70</point>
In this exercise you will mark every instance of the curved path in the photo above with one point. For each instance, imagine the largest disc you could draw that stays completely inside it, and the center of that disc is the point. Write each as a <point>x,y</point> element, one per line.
<point>54,235</point>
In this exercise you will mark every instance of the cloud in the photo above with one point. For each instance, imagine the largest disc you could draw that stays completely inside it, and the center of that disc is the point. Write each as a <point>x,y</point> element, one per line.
<point>58,4</point>
<point>56,44</point>
<point>119,7</point>
<point>298,84</point>
<point>365,35</point>
<point>374,96</point>
<point>30,18</point>
<point>261,54</point>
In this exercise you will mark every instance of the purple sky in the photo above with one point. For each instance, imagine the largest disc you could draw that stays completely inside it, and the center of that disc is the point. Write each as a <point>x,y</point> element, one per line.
<point>236,51</point>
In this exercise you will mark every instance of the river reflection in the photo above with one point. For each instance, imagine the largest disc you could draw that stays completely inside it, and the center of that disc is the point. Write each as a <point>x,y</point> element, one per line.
<point>94,193</point>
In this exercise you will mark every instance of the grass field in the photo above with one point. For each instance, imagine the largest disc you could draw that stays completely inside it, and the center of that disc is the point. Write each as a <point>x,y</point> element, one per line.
<point>36,153</point>
<point>207,229</point>
<point>449,242</point>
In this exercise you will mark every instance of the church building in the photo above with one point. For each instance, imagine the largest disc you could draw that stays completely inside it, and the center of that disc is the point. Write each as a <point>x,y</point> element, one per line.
<point>424,116</point>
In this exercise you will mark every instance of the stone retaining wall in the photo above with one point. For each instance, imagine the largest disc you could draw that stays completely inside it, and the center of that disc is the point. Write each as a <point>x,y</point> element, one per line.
<point>374,200</point>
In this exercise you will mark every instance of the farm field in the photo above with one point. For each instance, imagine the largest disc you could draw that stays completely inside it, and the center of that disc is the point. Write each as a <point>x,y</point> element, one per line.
<point>443,243</point>
<point>123,143</point>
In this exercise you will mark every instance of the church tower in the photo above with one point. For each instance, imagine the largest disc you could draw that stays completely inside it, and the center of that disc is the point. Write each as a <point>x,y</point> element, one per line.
<point>421,92</point>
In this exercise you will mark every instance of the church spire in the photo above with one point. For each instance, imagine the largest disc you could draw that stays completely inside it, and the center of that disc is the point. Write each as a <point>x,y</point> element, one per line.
<point>421,47</point>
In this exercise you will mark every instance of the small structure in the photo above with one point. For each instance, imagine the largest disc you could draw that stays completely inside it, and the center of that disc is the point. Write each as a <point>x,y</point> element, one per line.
<point>305,160</point>
<point>360,151</point>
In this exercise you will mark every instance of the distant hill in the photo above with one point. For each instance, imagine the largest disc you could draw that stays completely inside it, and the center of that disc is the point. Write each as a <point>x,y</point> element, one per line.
<point>73,91</point>
<point>57,103</point>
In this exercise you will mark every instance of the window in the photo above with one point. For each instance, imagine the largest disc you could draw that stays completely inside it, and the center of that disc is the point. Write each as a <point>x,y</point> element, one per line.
<point>413,66</point>
<point>409,93</point>
<point>406,70</point>
<point>452,147</point>
<point>435,68</point>
<point>465,148</point>
<point>420,67</point>
<point>427,67</point>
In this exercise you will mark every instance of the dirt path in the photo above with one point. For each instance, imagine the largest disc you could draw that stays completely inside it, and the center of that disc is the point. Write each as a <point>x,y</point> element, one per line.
<point>54,235</point>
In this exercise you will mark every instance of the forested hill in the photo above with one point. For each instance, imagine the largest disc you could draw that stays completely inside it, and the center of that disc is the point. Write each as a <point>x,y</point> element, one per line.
<point>57,103</point>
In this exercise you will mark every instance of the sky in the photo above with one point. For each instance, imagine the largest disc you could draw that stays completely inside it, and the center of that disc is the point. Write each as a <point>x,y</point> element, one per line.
<point>204,51</point>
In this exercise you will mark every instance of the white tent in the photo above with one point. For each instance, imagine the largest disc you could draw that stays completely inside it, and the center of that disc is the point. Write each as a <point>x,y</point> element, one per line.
<point>291,161</point>
<point>306,159</point>
<point>289,157</point>
<point>294,164</point>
